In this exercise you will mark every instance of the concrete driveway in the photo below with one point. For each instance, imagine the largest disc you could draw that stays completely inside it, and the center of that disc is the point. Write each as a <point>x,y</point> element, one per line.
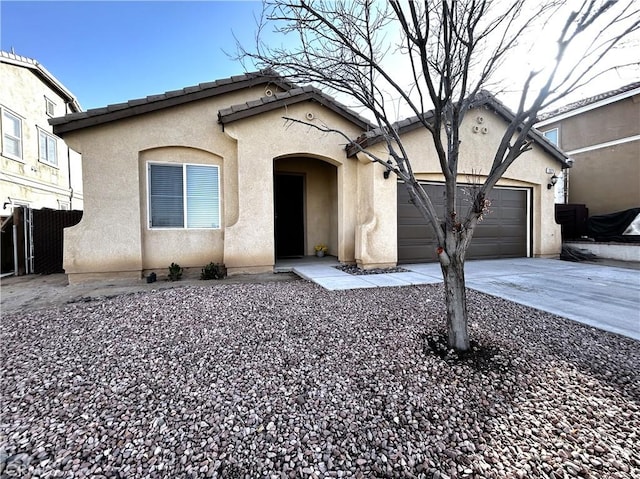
<point>604,297</point>
<point>601,296</point>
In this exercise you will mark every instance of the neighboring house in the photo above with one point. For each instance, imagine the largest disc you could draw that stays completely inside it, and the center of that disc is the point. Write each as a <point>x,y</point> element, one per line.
<point>213,173</point>
<point>601,135</point>
<point>37,169</point>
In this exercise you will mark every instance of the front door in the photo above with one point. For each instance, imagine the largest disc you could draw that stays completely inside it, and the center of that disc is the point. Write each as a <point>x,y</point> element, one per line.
<point>289,215</point>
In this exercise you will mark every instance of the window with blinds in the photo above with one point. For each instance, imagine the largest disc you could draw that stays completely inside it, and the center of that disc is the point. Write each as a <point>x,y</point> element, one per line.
<point>184,196</point>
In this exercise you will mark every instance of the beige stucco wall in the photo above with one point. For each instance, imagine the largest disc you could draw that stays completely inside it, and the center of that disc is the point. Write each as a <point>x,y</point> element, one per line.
<point>189,247</point>
<point>113,237</point>
<point>477,148</point>
<point>249,242</point>
<point>348,203</point>
<point>27,180</point>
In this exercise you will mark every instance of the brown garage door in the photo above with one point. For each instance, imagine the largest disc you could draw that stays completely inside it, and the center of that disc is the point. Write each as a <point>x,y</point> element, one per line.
<point>501,234</point>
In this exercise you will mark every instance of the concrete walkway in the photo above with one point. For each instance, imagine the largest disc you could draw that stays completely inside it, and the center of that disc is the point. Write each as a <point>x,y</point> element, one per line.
<point>604,297</point>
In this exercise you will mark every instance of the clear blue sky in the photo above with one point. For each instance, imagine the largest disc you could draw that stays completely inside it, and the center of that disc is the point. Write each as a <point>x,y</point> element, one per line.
<point>114,51</point>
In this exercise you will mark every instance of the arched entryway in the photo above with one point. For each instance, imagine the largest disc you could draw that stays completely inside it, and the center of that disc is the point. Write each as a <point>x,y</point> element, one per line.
<point>305,206</point>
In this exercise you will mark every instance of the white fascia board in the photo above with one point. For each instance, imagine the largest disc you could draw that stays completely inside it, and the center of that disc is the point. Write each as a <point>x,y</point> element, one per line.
<point>591,106</point>
<point>604,145</point>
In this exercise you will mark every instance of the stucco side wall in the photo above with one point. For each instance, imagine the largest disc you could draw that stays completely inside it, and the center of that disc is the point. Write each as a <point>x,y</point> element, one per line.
<point>480,136</point>
<point>604,178</point>
<point>607,180</point>
<point>115,209</point>
<point>249,242</point>
<point>599,125</point>
<point>190,248</point>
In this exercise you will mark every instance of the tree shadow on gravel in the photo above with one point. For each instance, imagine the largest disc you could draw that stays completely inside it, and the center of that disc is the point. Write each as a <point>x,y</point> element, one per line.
<point>480,357</point>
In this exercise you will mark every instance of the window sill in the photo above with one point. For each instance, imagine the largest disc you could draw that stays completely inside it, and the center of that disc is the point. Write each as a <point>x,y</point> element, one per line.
<point>50,165</point>
<point>13,158</point>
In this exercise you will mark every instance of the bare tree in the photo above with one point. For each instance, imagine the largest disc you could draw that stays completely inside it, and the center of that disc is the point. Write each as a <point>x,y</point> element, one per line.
<point>433,60</point>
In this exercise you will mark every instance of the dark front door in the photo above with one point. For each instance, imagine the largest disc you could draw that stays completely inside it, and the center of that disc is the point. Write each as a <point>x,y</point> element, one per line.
<point>289,211</point>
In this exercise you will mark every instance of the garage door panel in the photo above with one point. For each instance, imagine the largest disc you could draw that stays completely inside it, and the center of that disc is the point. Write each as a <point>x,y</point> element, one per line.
<point>408,233</point>
<point>501,234</point>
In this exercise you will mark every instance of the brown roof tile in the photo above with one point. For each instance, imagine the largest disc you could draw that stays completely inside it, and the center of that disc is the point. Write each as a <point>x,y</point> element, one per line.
<point>291,97</point>
<point>484,99</point>
<point>151,103</point>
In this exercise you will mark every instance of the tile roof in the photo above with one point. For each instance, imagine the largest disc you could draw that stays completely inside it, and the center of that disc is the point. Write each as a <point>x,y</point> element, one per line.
<point>484,99</point>
<point>168,99</point>
<point>43,74</point>
<point>588,101</point>
<point>291,97</point>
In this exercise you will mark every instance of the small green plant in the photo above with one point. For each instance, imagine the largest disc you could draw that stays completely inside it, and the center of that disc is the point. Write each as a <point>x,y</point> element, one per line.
<point>321,248</point>
<point>175,272</point>
<point>214,271</point>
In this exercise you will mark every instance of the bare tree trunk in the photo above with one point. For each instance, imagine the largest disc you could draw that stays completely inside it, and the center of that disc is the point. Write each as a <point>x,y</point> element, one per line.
<point>456,302</point>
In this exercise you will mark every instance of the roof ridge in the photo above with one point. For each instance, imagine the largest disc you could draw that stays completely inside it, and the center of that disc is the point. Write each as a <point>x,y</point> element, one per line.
<point>45,76</point>
<point>15,56</point>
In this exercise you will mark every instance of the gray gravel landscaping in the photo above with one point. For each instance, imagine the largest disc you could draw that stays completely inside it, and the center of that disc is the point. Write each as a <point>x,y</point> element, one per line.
<point>289,380</point>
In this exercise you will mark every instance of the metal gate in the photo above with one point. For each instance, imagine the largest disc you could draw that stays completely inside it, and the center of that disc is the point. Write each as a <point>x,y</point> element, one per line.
<point>36,239</point>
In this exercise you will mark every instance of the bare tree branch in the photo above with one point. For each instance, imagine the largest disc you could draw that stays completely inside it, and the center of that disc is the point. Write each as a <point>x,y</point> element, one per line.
<point>442,54</point>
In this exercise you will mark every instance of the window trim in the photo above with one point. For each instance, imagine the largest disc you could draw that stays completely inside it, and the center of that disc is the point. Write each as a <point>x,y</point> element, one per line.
<point>557,130</point>
<point>5,111</point>
<point>45,159</point>
<point>184,197</point>
<point>49,102</point>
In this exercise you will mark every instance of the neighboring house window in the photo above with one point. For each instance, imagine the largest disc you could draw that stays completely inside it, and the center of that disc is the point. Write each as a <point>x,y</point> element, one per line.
<point>50,107</point>
<point>184,196</point>
<point>553,136</point>
<point>48,148</point>
<point>11,135</point>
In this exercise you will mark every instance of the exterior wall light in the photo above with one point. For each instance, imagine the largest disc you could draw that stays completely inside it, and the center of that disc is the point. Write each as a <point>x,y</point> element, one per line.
<point>552,181</point>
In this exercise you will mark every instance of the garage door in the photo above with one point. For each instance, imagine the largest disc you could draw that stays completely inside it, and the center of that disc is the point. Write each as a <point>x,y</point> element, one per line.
<point>501,234</point>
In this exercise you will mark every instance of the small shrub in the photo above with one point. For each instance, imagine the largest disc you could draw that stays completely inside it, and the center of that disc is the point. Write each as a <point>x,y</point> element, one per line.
<point>214,271</point>
<point>175,272</point>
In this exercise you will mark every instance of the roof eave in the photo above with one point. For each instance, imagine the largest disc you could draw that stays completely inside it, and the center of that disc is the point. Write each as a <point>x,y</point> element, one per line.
<point>306,94</point>
<point>153,103</point>
<point>46,77</point>
<point>487,100</point>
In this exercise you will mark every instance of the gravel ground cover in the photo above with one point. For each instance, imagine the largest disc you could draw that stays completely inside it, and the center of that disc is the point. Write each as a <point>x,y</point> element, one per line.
<point>289,380</point>
<point>354,270</point>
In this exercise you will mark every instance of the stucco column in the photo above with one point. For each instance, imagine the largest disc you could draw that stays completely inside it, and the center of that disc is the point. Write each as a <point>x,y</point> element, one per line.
<point>249,244</point>
<point>107,241</point>
<point>376,231</point>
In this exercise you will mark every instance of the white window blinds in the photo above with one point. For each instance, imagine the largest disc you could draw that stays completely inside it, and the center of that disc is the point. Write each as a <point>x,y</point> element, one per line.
<point>184,196</point>
<point>166,196</point>
<point>203,209</point>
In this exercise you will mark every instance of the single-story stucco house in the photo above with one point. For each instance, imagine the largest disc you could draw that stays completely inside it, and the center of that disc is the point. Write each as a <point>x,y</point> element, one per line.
<point>212,173</point>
